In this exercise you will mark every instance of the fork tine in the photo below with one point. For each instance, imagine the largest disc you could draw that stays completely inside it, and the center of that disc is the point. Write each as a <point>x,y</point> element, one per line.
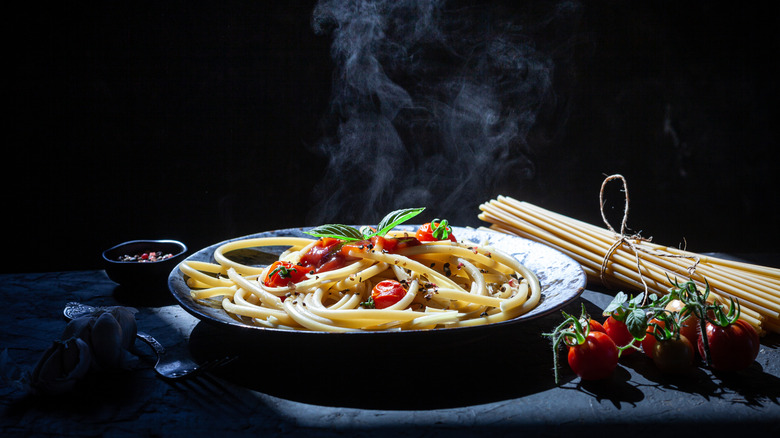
<point>213,364</point>
<point>205,389</point>
<point>223,361</point>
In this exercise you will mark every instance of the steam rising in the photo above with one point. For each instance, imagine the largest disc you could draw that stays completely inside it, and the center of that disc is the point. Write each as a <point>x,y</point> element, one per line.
<point>432,105</point>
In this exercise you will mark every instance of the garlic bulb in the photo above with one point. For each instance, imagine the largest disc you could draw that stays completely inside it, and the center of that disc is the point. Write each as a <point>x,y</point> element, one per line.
<point>110,333</point>
<point>125,316</point>
<point>102,340</point>
<point>106,341</point>
<point>61,366</point>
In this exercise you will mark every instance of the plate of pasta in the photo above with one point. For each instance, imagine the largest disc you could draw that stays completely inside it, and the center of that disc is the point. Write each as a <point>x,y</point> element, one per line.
<point>360,280</point>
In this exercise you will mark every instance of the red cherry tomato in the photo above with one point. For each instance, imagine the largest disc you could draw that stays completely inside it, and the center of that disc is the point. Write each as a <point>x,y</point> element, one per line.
<point>596,326</point>
<point>594,359</point>
<point>282,273</point>
<point>427,231</point>
<point>648,343</point>
<point>674,355</point>
<point>732,348</point>
<point>386,293</point>
<point>688,328</point>
<point>619,333</point>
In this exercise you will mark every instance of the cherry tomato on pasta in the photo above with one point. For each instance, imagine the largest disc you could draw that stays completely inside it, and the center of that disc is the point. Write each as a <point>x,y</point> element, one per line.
<point>393,244</point>
<point>328,254</point>
<point>324,247</point>
<point>434,231</point>
<point>281,274</point>
<point>386,293</point>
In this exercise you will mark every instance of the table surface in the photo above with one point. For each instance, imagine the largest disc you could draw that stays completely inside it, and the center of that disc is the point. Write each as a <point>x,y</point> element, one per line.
<point>500,384</point>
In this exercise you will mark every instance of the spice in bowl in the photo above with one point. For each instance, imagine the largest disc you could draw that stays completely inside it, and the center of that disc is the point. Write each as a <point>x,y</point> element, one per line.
<point>145,263</point>
<point>149,256</point>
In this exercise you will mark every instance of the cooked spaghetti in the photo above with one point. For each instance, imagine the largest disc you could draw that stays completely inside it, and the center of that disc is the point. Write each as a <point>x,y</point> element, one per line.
<point>336,285</point>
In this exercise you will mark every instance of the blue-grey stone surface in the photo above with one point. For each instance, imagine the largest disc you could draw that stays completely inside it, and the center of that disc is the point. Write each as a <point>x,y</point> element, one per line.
<point>499,384</point>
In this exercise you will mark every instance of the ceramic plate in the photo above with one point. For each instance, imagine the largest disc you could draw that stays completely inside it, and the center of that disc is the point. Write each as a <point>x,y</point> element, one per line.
<point>562,280</point>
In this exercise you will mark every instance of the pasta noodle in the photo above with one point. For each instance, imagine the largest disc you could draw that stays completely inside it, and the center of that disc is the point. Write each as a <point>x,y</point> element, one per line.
<point>446,283</point>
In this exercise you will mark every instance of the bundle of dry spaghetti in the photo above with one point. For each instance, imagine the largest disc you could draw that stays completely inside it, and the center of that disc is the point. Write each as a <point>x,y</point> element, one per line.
<point>634,263</point>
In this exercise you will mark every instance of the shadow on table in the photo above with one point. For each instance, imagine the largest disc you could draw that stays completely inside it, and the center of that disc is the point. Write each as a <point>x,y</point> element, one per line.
<point>410,372</point>
<point>452,369</point>
<point>414,371</point>
<point>754,386</point>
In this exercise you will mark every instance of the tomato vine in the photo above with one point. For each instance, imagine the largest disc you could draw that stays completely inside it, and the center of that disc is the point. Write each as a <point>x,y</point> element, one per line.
<point>655,324</point>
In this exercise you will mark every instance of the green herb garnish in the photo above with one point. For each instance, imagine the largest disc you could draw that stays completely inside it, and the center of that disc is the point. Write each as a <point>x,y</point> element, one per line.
<point>348,233</point>
<point>440,229</point>
<point>368,304</point>
<point>283,272</point>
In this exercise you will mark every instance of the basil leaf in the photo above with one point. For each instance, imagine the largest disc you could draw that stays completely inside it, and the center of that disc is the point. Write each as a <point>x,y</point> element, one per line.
<point>395,218</point>
<point>336,231</point>
<point>636,321</point>
<point>637,300</point>
<point>617,303</point>
<point>347,233</point>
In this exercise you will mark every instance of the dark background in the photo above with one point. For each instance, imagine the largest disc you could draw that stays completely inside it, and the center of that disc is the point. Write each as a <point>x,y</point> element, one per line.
<point>206,121</point>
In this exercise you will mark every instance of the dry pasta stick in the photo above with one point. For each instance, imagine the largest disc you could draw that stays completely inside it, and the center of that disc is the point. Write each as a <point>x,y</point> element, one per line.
<point>639,264</point>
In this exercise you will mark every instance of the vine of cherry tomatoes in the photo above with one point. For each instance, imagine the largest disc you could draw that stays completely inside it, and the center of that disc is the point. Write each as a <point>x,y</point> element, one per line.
<point>670,331</point>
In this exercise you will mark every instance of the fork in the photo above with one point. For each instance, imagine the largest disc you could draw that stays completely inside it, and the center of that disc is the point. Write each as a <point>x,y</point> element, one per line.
<point>166,366</point>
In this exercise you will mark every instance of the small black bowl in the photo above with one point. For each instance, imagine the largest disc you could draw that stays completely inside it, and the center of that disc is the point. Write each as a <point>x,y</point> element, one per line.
<point>142,273</point>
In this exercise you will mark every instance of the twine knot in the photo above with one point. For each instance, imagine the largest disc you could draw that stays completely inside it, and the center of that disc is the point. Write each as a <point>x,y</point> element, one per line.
<point>629,240</point>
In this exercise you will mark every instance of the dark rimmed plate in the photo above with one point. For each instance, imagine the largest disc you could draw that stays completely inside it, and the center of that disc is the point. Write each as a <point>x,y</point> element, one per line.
<point>562,280</point>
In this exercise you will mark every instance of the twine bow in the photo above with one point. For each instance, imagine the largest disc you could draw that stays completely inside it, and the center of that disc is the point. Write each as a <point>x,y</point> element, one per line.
<point>630,240</point>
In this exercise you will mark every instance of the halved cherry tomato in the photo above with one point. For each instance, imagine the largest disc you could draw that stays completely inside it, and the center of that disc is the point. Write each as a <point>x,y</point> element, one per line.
<point>596,358</point>
<point>316,255</point>
<point>282,273</point>
<point>386,293</point>
<point>673,355</point>
<point>733,347</point>
<point>327,254</point>
<point>393,244</point>
<point>618,331</point>
<point>432,232</point>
